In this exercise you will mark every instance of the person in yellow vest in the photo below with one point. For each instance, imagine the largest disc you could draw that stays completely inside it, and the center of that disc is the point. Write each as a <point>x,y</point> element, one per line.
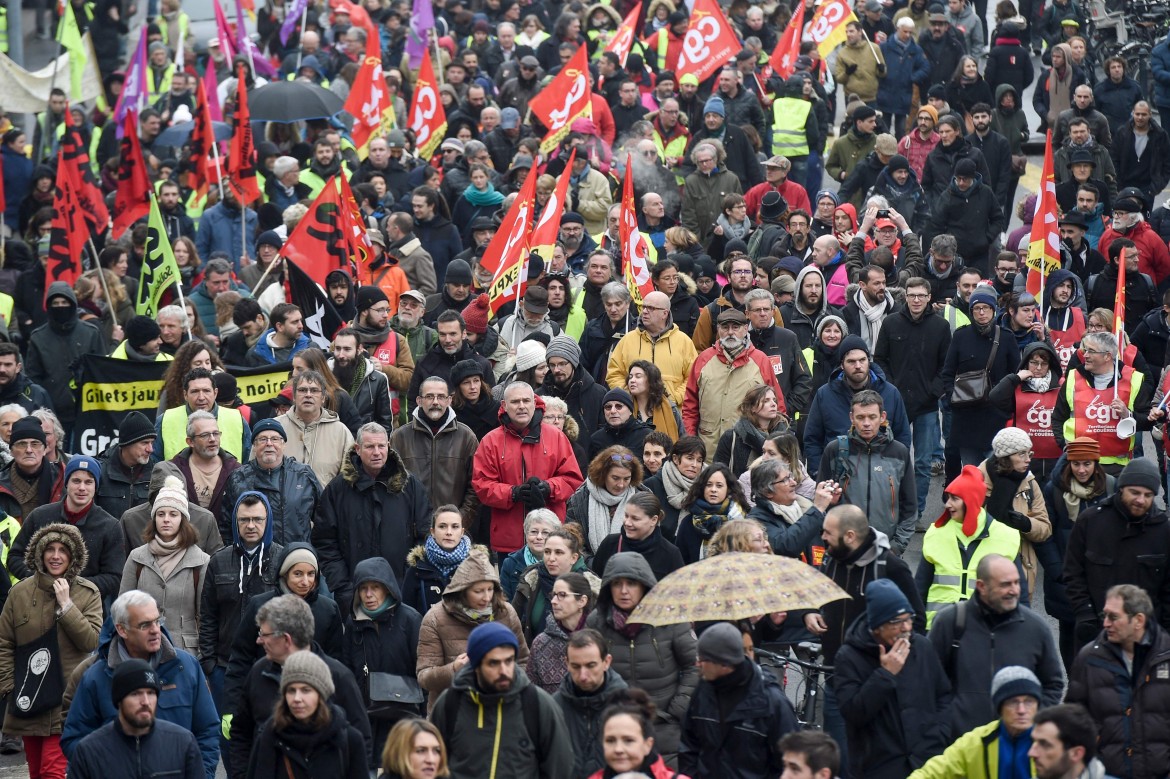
<point>143,342</point>
<point>325,163</point>
<point>953,546</point>
<point>199,395</point>
<point>172,23</point>
<point>1094,399</point>
<point>160,73</point>
<point>794,127</point>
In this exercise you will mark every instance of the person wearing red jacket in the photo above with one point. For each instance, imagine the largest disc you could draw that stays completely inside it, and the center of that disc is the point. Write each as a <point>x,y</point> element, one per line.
<point>776,179</point>
<point>523,465</point>
<point>1128,222</point>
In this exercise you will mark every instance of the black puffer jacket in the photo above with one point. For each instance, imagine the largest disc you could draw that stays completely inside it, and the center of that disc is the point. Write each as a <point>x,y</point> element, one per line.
<point>895,723</point>
<point>1132,710</point>
<point>583,396</point>
<point>912,353</point>
<point>292,492</point>
<point>120,490</point>
<point>939,169</point>
<point>335,752</point>
<point>631,434</point>
<point>974,217</point>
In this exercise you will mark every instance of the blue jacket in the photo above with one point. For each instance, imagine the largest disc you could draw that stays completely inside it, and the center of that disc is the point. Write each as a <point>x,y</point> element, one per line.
<point>219,231</point>
<point>262,354</point>
<point>18,171</point>
<point>1116,100</point>
<point>441,240</point>
<point>829,415</point>
<point>185,699</point>
<point>205,305</point>
<point>1159,64</point>
<point>906,65</point>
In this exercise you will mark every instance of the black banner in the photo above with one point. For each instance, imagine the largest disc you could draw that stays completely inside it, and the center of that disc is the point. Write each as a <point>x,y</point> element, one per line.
<point>110,388</point>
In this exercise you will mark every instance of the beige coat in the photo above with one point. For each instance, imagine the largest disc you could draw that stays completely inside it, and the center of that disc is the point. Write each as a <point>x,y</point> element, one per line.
<point>31,611</point>
<point>1029,501</point>
<point>177,595</point>
<point>442,637</point>
<point>321,445</point>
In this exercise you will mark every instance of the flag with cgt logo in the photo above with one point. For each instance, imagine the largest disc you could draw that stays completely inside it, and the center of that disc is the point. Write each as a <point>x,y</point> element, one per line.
<point>635,250</point>
<point>565,99</point>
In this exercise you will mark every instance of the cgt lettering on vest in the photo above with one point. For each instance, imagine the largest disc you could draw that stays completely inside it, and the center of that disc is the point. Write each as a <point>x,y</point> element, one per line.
<point>1039,415</point>
<point>1100,413</point>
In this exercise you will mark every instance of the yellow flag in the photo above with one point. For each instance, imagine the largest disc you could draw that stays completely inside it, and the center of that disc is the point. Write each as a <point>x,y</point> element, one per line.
<point>159,269</point>
<point>78,53</point>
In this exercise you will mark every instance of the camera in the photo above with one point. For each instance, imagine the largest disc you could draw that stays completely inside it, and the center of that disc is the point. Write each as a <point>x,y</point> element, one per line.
<point>883,213</point>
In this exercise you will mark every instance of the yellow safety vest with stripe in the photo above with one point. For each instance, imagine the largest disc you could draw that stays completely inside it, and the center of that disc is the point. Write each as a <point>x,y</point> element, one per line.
<point>789,117</point>
<point>174,431</point>
<point>661,45</point>
<point>955,318</point>
<point>155,90</point>
<point>9,529</point>
<point>324,83</point>
<point>1109,441</point>
<point>6,305</point>
<point>956,557</point>
<point>119,353</point>
<point>4,48</point>
<point>676,148</point>
<point>184,25</point>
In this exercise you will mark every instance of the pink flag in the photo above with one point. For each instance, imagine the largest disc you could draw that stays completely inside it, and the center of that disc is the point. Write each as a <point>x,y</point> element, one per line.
<point>211,89</point>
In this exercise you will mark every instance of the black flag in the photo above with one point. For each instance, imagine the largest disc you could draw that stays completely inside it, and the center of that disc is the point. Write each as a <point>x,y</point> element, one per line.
<point>321,318</point>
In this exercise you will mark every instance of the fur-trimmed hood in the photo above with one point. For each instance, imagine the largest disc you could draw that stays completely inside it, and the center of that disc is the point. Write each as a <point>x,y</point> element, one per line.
<point>476,568</point>
<point>392,477</point>
<point>419,553</point>
<point>69,536</point>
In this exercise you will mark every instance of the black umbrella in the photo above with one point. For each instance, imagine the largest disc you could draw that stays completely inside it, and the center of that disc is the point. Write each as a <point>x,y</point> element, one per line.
<point>177,134</point>
<point>291,101</point>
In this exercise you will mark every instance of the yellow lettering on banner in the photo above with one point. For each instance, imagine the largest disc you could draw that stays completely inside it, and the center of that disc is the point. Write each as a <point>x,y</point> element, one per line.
<point>506,281</point>
<point>261,387</point>
<point>126,396</point>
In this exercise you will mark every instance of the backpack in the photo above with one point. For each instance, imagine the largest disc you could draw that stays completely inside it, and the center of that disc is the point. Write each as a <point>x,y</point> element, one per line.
<point>762,239</point>
<point>1151,292</point>
<point>529,705</point>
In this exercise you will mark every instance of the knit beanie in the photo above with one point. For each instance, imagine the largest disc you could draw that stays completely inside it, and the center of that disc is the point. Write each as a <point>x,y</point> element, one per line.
<point>487,637</point>
<point>475,315</point>
<point>618,395</point>
<point>884,602</point>
<point>928,108</point>
<point>269,425</point>
<point>722,643</point>
<point>369,296</point>
<point>1013,680</point>
<point>564,347</point>
<point>528,355</point>
<point>969,487</point>
<point>135,427</point>
<point>130,675</point>
<point>81,462</point>
<point>297,556</point>
<point>173,496</point>
<point>828,319</point>
<point>304,667</point>
<point>982,294</point>
<point>714,105</point>
<point>1083,448</point>
<point>140,330</point>
<point>1009,441</point>
<point>1140,473</point>
<point>458,272</point>
<point>849,344</point>
<point>897,162</point>
<point>465,369</point>
<point>27,428</point>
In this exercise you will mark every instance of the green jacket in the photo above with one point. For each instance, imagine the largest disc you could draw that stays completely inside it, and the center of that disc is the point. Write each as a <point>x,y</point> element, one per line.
<point>974,755</point>
<point>420,339</point>
<point>846,152</point>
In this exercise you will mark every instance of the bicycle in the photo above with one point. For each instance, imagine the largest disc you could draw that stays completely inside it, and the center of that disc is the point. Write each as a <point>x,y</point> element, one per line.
<point>802,677</point>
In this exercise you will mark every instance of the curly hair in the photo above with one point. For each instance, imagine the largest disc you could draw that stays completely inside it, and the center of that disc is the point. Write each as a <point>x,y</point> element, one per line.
<point>734,488</point>
<point>735,536</point>
<point>615,457</point>
<point>179,367</point>
<point>657,391</point>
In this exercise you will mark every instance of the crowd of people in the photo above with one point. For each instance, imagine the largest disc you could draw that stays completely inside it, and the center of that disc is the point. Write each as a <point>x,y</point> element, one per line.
<point>424,555</point>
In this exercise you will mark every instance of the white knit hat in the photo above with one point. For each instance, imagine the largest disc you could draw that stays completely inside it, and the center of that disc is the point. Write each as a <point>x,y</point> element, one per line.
<point>173,494</point>
<point>529,354</point>
<point>1009,441</point>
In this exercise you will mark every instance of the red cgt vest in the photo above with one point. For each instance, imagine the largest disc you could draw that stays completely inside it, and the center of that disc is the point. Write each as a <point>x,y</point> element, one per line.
<point>1065,341</point>
<point>387,353</point>
<point>1033,415</point>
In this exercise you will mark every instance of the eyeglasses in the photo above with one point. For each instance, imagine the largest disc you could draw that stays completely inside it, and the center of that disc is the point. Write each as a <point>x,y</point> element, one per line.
<point>266,636</point>
<point>208,436</point>
<point>621,458</point>
<point>20,446</point>
<point>142,627</point>
<point>916,296</point>
<point>381,309</point>
<point>564,595</point>
<point>654,308</point>
<point>251,520</point>
<point>432,398</point>
<point>747,272</point>
<point>905,619</point>
<point>666,111</point>
<point>1094,351</point>
<point>267,440</point>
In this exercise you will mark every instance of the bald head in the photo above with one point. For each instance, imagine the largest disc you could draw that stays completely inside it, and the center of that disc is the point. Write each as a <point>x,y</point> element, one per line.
<point>825,249</point>
<point>657,299</point>
<point>655,312</point>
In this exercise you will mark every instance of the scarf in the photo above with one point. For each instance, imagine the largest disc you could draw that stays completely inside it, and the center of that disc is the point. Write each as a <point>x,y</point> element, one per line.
<point>1075,498</point>
<point>627,629</point>
<point>478,616</point>
<point>872,315</point>
<point>369,334</point>
<point>732,231</point>
<point>601,522</point>
<point>790,514</point>
<point>168,554</point>
<point>446,561</point>
<point>359,375</point>
<point>708,518</point>
<point>375,613</point>
<point>1041,384</point>
<point>486,197</point>
<point>675,485</point>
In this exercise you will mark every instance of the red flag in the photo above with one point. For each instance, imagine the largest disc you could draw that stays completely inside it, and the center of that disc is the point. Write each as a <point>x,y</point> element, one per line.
<point>132,200</point>
<point>200,154</point>
<point>68,233</point>
<point>635,249</point>
<point>369,101</point>
<point>783,61</point>
<point>354,225</point>
<point>242,161</point>
<point>507,253</point>
<point>85,186</point>
<point>623,41</point>
<point>563,100</point>
<point>827,28</point>
<point>1044,241</point>
<point>709,44</point>
<point>323,240</point>
<point>548,227</point>
<point>428,120</point>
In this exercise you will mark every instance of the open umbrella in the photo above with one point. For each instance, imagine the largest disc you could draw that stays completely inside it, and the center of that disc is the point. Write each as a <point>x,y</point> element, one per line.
<point>177,134</point>
<point>735,585</point>
<point>291,101</point>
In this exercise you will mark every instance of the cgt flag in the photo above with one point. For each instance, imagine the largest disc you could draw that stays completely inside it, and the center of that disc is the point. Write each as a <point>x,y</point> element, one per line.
<point>709,43</point>
<point>783,61</point>
<point>132,199</point>
<point>506,255</point>
<point>68,232</point>
<point>1044,241</point>
<point>242,160</point>
<point>623,42</point>
<point>827,28</point>
<point>159,269</point>
<point>369,101</point>
<point>563,100</point>
<point>325,239</point>
<point>635,250</point>
<point>544,235</point>
<point>428,120</point>
<point>321,319</point>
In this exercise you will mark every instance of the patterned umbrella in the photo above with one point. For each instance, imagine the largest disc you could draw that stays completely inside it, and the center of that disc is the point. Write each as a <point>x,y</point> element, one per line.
<point>735,585</point>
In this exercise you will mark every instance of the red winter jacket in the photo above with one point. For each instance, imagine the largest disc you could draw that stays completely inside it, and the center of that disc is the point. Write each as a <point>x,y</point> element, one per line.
<point>505,459</point>
<point>1153,256</point>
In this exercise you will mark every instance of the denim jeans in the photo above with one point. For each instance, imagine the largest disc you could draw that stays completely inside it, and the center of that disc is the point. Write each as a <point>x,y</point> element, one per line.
<point>926,440</point>
<point>215,682</point>
<point>835,727</point>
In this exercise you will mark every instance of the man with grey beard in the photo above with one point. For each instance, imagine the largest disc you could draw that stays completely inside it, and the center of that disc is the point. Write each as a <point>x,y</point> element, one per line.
<point>650,175</point>
<point>578,243</point>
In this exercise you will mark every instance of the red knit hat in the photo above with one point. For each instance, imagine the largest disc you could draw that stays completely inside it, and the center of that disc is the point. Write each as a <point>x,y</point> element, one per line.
<point>475,316</point>
<point>969,487</point>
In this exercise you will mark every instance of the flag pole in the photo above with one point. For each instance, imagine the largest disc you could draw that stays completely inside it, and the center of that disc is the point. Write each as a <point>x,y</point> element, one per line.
<point>102,278</point>
<point>215,156</point>
<point>301,37</point>
<point>872,49</point>
<point>441,71</point>
<point>39,151</point>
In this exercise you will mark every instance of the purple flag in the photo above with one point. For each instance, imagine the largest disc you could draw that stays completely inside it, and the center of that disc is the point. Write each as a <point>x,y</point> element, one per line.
<point>292,16</point>
<point>422,21</point>
<point>134,89</point>
<point>245,45</point>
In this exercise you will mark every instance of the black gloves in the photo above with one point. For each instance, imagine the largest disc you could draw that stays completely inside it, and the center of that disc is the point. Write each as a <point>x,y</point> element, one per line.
<point>1017,521</point>
<point>522,494</point>
<point>538,493</point>
<point>1086,629</point>
<point>850,70</point>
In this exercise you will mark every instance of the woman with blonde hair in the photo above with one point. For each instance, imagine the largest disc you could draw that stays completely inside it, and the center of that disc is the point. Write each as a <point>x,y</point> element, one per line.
<point>740,535</point>
<point>680,239</point>
<point>187,258</point>
<point>414,750</point>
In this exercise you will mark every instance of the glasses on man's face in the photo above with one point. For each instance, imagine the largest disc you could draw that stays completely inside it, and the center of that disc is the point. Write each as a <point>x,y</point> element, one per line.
<point>902,621</point>
<point>27,446</point>
<point>916,296</point>
<point>760,311</point>
<point>432,398</point>
<point>251,520</point>
<point>266,636</point>
<point>144,627</point>
<point>208,436</point>
<point>653,308</point>
<point>1094,351</point>
<point>268,440</point>
<point>381,309</point>
<point>747,272</point>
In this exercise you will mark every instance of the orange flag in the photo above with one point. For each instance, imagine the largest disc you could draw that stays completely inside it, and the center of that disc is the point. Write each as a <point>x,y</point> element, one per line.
<point>710,42</point>
<point>428,120</point>
<point>242,160</point>
<point>563,100</point>
<point>369,101</point>
<point>200,154</point>
<point>783,61</point>
<point>507,253</point>
<point>67,236</point>
<point>827,28</point>
<point>544,235</point>
<point>623,41</point>
<point>1044,241</point>
<point>635,249</point>
<point>85,186</point>
<point>132,200</point>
